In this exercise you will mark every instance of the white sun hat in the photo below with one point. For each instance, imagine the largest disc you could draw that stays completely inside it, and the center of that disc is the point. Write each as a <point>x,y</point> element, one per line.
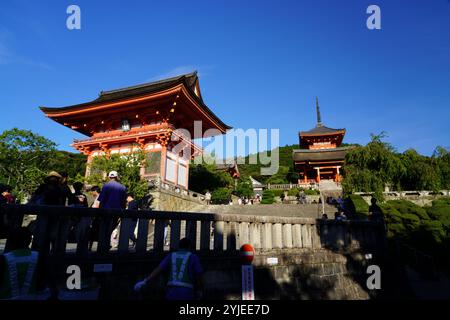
<point>113,174</point>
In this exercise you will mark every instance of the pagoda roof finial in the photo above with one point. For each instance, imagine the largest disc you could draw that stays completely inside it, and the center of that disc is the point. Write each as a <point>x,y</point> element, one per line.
<point>319,120</point>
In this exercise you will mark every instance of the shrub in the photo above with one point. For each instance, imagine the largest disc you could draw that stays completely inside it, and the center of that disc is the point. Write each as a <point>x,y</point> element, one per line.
<point>357,206</point>
<point>268,197</point>
<point>311,192</point>
<point>276,192</point>
<point>221,196</point>
<point>404,207</point>
<point>293,192</point>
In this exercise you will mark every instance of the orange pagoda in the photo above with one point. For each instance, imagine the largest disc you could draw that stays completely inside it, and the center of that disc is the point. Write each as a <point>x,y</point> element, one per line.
<point>144,117</point>
<point>320,155</point>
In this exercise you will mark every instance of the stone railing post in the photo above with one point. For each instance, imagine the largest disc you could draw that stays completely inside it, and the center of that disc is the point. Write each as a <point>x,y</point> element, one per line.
<point>243,233</point>
<point>306,236</point>
<point>277,240</point>
<point>255,237</point>
<point>287,235</point>
<point>297,235</point>
<point>267,236</point>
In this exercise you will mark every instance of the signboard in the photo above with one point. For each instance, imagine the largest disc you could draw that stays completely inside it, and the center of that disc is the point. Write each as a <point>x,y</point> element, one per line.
<point>248,292</point>
<point>103,267</point>
<point>272,261</point>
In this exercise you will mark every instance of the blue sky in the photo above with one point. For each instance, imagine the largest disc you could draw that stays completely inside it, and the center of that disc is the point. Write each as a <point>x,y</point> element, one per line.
<point>261,63</point>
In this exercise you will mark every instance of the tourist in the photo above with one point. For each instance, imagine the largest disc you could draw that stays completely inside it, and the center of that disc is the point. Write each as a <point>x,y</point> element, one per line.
<point>239,201</point>
<point>29,276</point>
<point>132,205</point>
<point>375,212</point>
<point>3,217</point>
<point>340,216</point>
<point>166,232</point>
<point>95,192</point>
<point>49,193</point>
<point>208,197</point>
<point>324,216</point>
<point>7,195</point>
<point>113,196</point>
<point>95,223</point>
<point>184,271</point>
<point>78,198</point>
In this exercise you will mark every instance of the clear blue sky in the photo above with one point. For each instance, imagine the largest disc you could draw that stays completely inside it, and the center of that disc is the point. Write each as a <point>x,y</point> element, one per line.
<point>261,63</point>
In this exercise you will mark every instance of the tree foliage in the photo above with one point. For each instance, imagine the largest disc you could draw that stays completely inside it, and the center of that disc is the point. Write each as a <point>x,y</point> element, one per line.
<point>244,187</point>
<point>372,167</point>
<point>25,159</point>
<point>205,177</point>
<point>221,196</point>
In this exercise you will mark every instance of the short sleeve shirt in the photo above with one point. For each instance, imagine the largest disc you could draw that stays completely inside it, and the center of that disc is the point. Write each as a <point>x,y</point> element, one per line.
<point>113,196</point>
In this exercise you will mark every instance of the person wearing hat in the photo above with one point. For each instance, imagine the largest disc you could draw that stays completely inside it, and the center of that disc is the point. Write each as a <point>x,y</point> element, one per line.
<point>49,193</point>
<point>113,194</point>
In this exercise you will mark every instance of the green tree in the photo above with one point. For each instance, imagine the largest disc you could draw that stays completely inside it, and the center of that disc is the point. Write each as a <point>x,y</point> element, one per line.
<point>441,160</point>
<point>127,165</point>
<point>24,160</point>
<point>203,177</point>
<point>420,173</point>
<point>221,196</point>
<point>72,163</point>
<point>371,167</point>
<point>244,187</point>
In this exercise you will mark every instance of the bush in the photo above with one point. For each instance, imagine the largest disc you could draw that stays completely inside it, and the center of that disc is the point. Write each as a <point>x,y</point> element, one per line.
<point>357,206</point>
<point>293,192</point>
<point>244,188</point>
<point>221,196</point>
<point>277,192</point>
<point>268,197</point>
<point>407,207</point>
<point>311,192</point>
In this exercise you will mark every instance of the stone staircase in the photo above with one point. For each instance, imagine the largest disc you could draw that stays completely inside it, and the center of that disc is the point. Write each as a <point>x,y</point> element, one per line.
<point>329,188</point>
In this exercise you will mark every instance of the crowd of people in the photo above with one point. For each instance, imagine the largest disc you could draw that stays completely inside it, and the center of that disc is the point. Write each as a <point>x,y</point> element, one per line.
<point>24,274</point>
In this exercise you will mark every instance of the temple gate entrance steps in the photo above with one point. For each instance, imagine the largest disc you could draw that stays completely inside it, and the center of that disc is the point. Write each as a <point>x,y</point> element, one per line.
<point>329,188</point>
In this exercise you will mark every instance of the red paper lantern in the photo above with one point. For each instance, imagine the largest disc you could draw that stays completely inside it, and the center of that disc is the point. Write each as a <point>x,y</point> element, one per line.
<point>247,253</point>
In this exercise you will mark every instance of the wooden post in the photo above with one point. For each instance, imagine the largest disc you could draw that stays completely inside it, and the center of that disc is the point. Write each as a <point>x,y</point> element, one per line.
<point>62,235</point>
<point>83,236</point>
<point>205,235</point>
<point>231,237</point>
<point>218,235</point>
<point>41,237</point>
<point>104,238</point>
<point>142,236</point>
<point>191,233</point>
<point>125,234</point>
<point>175,230</point>
<point>158,242</point>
